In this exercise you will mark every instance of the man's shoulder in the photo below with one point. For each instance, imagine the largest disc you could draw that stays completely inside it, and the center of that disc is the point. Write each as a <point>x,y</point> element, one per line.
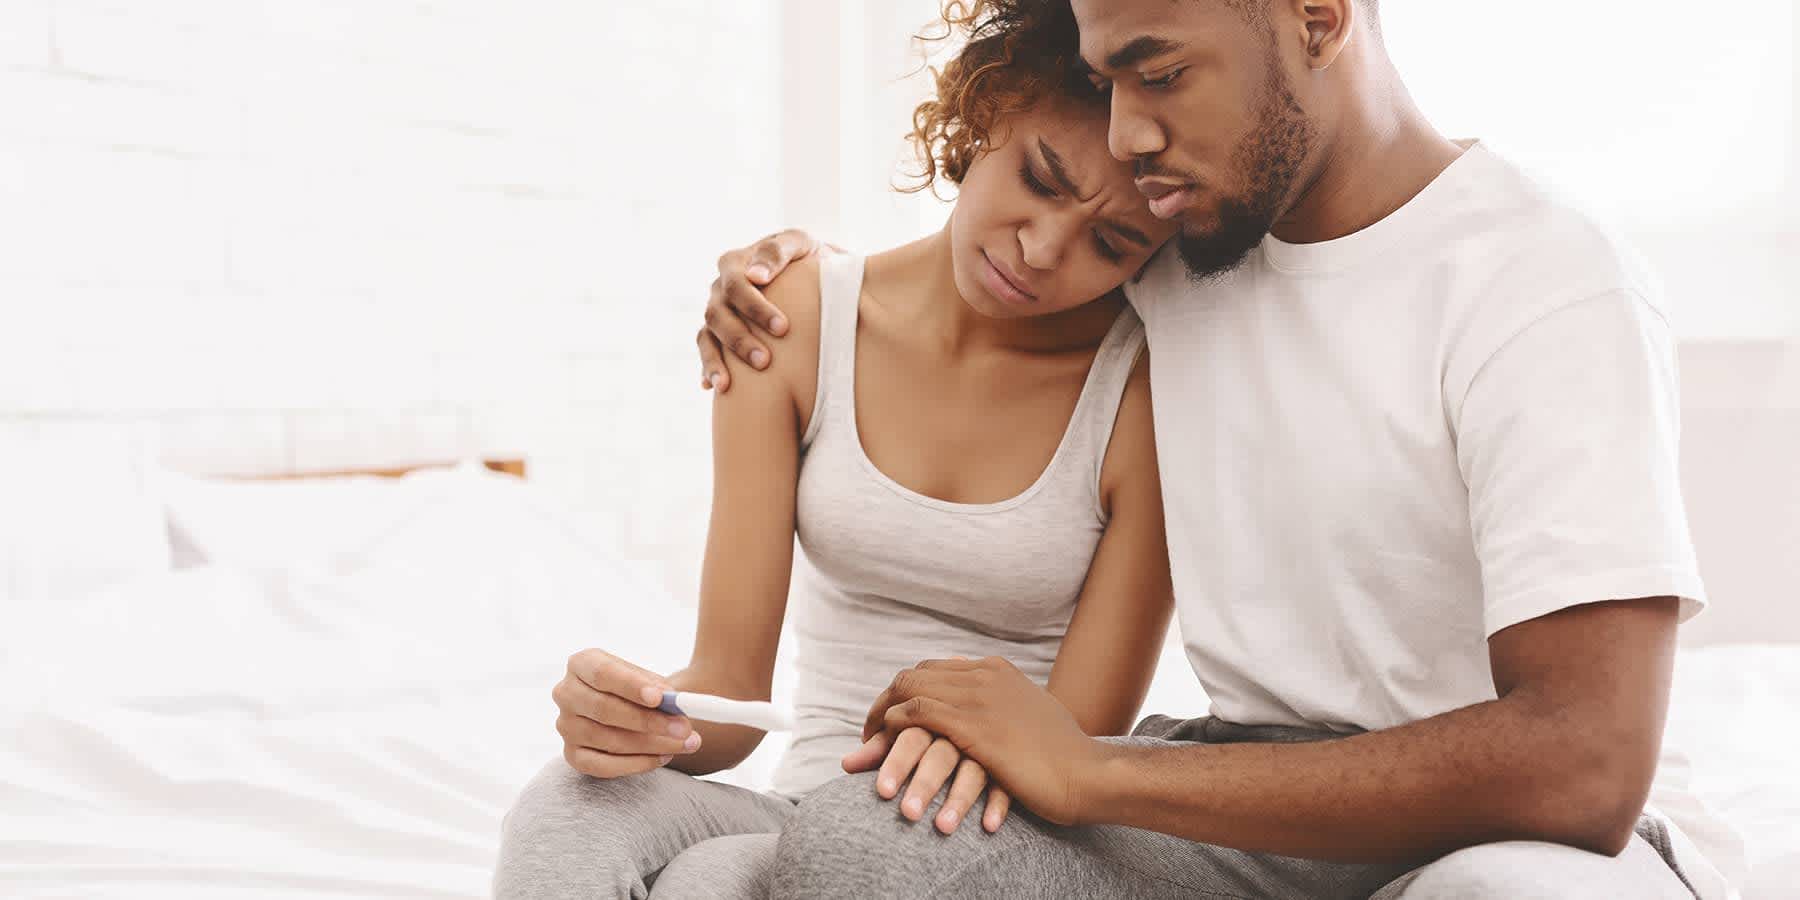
<point>1530,247</point>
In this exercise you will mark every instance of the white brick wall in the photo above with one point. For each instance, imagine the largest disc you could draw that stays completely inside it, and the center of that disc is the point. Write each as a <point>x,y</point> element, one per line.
<point>341,232</point>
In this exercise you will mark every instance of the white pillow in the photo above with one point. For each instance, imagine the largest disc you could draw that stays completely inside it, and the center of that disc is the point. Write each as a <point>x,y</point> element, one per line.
<point>79,513</point>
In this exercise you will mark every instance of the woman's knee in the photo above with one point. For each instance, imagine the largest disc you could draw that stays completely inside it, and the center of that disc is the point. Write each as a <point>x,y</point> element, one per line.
<point>569,833</point>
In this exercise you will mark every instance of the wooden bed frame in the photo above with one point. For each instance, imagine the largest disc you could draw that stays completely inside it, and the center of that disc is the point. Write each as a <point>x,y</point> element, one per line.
<point>507,466</point>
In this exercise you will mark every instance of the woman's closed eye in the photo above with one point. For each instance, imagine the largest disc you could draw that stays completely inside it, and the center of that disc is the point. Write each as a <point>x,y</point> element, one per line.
<point>1037,186</point>
<point>1106,250</point>
<point>1033,183</point>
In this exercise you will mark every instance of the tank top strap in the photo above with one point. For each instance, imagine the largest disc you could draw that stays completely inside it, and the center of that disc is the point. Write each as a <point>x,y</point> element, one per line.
<point>840,294</point>
<point>1105,389</point>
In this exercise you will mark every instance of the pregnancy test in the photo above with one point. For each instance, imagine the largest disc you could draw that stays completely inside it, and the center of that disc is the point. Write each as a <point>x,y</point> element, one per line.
<point>708,708</point>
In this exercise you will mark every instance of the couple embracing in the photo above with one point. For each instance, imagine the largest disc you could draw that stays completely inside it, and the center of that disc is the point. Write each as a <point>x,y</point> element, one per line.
<point>1219,324</point>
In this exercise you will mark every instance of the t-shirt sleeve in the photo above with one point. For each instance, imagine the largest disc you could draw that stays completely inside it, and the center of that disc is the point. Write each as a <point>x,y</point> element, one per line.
<point>1567,438</point>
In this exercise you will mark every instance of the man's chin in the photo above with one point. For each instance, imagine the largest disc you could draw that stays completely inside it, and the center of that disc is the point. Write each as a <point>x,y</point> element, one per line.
<point>1217,252</point>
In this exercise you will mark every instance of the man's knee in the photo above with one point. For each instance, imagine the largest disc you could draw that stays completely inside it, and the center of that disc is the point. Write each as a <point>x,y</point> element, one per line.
<point>1532,870</point>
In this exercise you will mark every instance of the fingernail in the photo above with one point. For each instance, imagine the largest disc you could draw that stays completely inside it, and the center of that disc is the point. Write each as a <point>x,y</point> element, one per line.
<point>948,820</point>
<point>665,759</point>
<point>778,325</point>
<point>677,728</point>
<point>758,273</point>
<point>886,788</point>
<point>758,358</point>
<point>692,743</point>
<point>912,806</point>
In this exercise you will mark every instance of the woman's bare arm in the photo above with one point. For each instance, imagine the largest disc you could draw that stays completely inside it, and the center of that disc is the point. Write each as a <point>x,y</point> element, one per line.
<point>750,541</point>
<point>1109,655</point>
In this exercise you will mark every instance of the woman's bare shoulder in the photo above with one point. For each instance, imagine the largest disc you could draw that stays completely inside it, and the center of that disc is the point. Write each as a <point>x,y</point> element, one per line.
<point>795,363</point>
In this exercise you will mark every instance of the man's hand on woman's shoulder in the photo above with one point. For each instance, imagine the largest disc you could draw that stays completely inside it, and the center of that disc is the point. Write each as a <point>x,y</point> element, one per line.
<point>737,308</point>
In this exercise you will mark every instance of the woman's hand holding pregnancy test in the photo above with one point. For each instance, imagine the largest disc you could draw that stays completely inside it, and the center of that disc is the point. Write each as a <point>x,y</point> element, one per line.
<point>608,717</point>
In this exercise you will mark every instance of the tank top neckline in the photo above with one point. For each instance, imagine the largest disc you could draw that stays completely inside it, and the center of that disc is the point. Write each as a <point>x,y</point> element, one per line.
<point>1117,332</point>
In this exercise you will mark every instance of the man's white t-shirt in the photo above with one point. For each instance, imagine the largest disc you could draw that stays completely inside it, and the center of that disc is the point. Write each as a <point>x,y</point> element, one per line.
<point>1378,451</point>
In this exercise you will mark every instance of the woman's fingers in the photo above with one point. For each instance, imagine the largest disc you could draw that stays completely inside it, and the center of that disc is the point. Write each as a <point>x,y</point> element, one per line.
<point>998,804</point>
<point>965,789</point>
<point>575,697</point>
<point>583,732</point>
<point>928,778</point>
<point>868,756</point>
<point>606,765</point>
<point>908,748</point>
<point>609,674</point>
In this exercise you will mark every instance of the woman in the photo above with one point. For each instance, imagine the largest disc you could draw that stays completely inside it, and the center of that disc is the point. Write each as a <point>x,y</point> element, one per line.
<point>964,435</point>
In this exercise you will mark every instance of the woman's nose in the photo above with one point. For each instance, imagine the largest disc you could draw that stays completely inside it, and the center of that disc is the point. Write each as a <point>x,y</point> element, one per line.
<point>1045,240</point>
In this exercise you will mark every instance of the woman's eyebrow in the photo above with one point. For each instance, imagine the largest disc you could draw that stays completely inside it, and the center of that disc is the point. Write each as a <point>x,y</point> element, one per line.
<point>1059,170</point>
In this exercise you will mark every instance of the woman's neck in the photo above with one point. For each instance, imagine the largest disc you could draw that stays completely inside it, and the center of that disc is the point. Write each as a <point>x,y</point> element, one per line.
<point>916,283</point>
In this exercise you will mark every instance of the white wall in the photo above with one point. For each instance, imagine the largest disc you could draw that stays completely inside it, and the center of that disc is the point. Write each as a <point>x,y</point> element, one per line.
<point>313,233</point>
<point>325,232</point>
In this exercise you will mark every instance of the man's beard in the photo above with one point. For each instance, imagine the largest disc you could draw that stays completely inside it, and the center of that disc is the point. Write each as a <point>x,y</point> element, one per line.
<point>1267,162</point>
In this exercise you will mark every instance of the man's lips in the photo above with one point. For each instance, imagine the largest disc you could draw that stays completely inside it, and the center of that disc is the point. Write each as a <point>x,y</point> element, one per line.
<point>1167,198</point>
<point>1004,284</point>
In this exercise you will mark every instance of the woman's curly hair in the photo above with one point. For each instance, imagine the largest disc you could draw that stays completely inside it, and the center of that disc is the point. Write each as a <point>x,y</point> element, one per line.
<point>1018,53</point>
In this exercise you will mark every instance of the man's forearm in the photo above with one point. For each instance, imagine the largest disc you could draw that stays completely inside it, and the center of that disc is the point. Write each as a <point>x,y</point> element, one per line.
<point>1501,770</point>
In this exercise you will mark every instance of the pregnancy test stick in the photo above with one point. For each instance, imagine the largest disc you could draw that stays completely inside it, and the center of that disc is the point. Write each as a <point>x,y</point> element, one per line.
<point>708,708</point>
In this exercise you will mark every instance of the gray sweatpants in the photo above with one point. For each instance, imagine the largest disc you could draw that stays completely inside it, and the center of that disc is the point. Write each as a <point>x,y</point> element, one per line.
<point>667,835</point>
<point>845,842</point>
<point>662,834</point>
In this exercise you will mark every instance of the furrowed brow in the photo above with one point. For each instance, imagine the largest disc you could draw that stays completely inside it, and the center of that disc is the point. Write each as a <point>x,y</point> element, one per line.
<point>1059,170</point>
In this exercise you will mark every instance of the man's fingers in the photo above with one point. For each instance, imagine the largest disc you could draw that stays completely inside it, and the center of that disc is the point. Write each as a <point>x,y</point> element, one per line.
<point>933,678</point>
<point>715,373</point>
<point>607,765</point>
<point>928,778</point>
<point>965,789</point>
<point>953,664</point>
<point>998,804</point>
<point>867,756</point>
<point>908,748</point>
<point>735,305</point>
<point>609,674</point>
<point>933,715</point>
<point>769,256</point>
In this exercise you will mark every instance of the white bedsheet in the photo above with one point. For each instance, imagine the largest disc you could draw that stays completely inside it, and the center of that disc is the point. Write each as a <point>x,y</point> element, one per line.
<point>238,733</point>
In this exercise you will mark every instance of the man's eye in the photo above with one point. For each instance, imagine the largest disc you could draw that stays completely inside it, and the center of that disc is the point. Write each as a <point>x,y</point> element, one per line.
<point>1033,183</point>
<point>1165,80</point>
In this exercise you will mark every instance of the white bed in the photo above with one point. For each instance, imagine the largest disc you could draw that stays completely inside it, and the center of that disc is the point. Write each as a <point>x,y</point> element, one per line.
<point>351,717</point>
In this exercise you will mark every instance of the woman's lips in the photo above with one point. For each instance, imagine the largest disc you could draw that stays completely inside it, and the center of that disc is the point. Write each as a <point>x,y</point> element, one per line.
<point>1001,284</point>
<point>1167,200</point>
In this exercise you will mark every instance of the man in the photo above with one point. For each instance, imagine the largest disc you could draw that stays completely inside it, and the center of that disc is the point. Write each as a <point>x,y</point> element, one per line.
<point>1417,424</point>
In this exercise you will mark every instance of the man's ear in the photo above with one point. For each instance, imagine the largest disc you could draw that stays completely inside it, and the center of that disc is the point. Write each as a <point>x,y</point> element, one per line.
<point>1322,28</point>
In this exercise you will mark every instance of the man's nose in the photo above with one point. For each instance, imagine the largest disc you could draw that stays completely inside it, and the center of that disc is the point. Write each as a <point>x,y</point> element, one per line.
<point>1130,132</point>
